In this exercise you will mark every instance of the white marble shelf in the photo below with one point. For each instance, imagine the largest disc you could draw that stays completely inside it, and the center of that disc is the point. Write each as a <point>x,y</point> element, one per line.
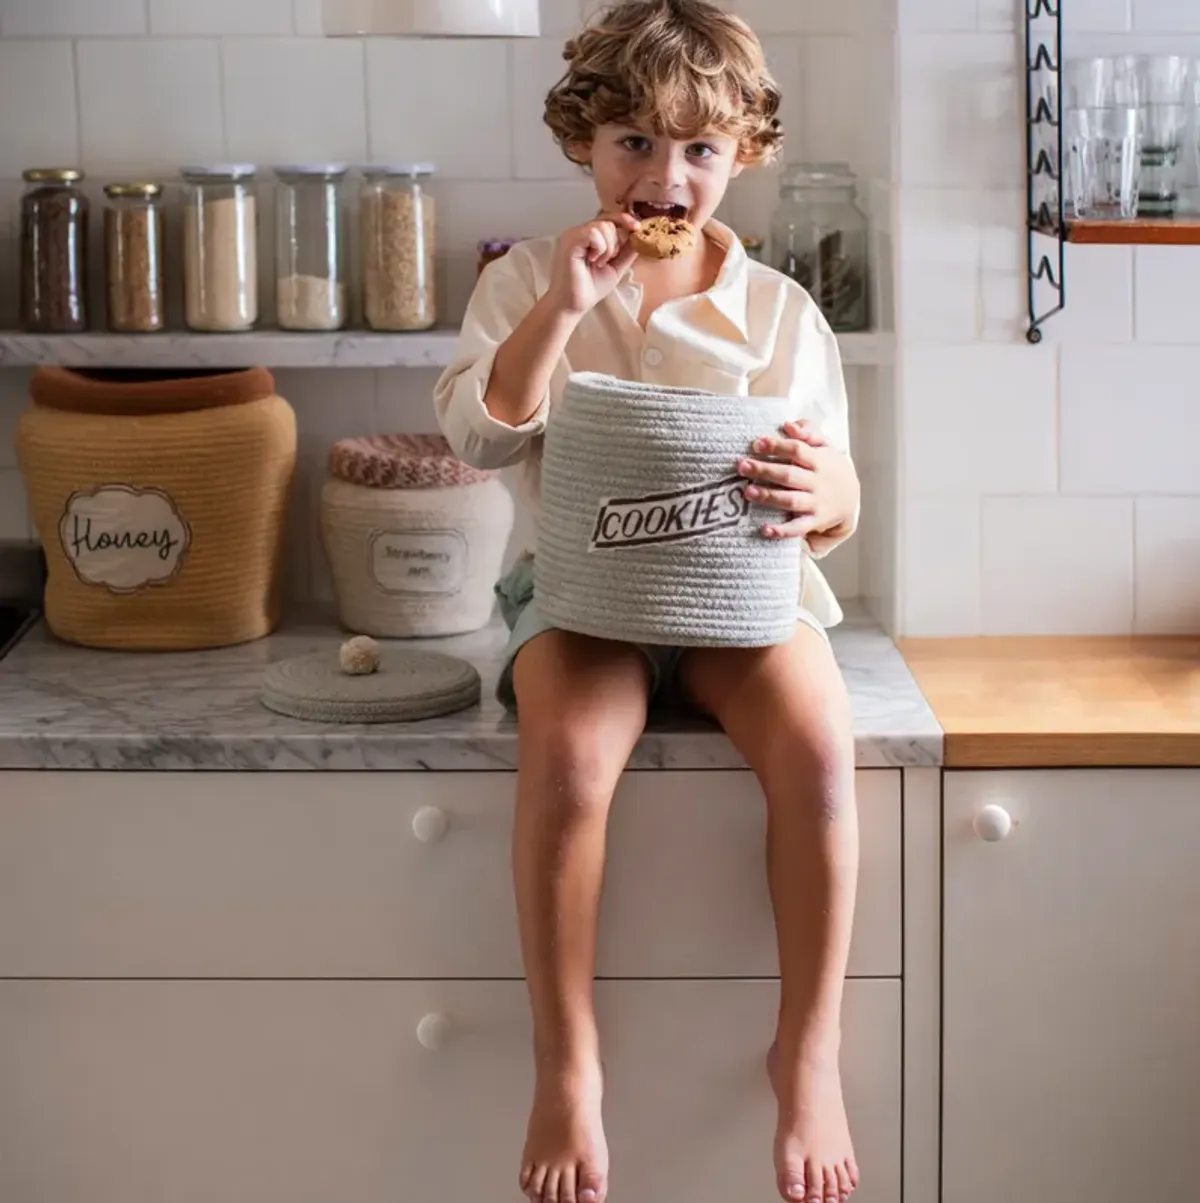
<point>65,707</point>
<point>283,349</point>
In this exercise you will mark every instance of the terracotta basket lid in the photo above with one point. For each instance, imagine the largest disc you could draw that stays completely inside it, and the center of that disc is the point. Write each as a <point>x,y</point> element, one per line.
<point>401,461</point>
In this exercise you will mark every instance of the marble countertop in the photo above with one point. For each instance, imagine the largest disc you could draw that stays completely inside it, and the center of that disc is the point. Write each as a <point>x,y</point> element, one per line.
<point>64,707</point>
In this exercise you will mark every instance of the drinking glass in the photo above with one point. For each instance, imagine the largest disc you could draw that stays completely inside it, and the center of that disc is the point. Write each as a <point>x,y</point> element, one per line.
<point>1101,83</point>
<point>1103,152</point>
<point>1163,130</point>
<point>1162,79</point>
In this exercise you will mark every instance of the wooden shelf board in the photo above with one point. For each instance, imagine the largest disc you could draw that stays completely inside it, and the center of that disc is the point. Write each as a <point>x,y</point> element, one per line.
<point>1136,231</point>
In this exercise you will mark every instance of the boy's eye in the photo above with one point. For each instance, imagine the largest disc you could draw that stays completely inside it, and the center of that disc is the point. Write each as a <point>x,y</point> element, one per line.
<point>635,142</point>
<point>701,150</point>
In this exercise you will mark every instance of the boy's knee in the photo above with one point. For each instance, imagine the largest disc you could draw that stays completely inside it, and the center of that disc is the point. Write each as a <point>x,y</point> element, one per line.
<point>812,763</point>
<point>577,760</point>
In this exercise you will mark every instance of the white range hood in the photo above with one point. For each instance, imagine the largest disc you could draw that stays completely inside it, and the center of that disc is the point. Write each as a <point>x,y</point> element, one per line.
<point>431,18</point>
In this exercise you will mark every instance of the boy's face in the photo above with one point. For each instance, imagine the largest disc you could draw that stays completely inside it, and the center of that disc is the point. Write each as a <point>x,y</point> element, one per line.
<point>649,174</point>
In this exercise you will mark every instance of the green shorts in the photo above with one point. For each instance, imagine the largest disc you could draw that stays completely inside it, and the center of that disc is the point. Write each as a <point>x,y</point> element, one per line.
<point>515,591</point>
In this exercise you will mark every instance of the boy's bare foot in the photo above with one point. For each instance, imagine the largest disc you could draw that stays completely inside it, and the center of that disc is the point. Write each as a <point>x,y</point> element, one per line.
<point>566,1155</point>
<point>814,1156</point>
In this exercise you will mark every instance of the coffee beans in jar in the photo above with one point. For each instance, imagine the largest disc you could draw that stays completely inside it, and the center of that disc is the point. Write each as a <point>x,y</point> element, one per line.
<point>54,252</point>
<point>397,217</point>
<point>133,258</point>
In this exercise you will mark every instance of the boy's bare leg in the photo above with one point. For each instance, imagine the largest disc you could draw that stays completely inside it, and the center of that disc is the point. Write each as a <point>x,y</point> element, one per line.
<point>582,706</point>
<point>786,710</point>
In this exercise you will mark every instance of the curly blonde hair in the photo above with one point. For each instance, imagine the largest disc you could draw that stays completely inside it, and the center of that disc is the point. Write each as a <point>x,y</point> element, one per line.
<point>678,67</point>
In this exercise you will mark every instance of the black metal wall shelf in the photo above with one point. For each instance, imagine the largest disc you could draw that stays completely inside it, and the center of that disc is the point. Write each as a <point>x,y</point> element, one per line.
<point>1047,232</point>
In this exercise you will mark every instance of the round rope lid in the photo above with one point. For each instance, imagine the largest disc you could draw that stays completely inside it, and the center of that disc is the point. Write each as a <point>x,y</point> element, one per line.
<point>407,685</point>
<point>401,461</point>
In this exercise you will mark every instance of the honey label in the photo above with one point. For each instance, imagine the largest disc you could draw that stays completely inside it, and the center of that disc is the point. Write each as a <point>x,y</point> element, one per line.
<point>123,538</point>
<point>418,561</point>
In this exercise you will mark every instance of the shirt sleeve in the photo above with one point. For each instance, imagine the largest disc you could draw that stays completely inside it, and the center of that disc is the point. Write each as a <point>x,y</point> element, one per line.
<point>503,295</point>
<point>807,367</point>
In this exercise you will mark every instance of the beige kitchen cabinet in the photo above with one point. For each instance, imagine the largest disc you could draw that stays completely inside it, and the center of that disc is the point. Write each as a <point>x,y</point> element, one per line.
<point>1071,1003</point>
<point>312,1091</point>
<point>390,875</point>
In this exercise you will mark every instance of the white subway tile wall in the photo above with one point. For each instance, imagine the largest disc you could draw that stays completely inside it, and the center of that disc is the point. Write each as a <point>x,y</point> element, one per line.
<point>1023,467</point>
<point>449,102</point>
<point>38,100</point>
<point>979,420</point>
<point>243,17</point>
<point>941,567</point>
<point>1167,539</point>
<point>71,18</point>
<point>1057,566</point>
<point>294,100</point>
<point>149,104</point>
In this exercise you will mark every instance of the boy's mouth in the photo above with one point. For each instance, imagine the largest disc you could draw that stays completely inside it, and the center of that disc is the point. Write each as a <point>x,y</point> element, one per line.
<point>644,210</point>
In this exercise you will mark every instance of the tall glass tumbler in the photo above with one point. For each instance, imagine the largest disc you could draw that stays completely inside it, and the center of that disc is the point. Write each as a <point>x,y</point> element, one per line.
<point>1102,147</point>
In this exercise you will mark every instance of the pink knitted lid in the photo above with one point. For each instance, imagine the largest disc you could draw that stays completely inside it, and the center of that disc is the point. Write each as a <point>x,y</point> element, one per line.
<point>401,461</point>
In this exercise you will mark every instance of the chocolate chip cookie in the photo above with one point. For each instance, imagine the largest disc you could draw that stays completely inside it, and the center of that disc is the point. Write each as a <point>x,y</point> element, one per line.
<point>663,237</point>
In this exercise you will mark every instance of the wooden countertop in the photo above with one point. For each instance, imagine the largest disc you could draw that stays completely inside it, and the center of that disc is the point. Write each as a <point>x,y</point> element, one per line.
<point>1049,701</point>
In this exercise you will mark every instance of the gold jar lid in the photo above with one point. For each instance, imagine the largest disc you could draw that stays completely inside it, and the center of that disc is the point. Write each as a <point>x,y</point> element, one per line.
<point>143,190</point>
<point>52,175</point>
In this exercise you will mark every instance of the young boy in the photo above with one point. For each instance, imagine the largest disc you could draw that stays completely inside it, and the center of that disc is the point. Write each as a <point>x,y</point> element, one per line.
<point>663,102</point>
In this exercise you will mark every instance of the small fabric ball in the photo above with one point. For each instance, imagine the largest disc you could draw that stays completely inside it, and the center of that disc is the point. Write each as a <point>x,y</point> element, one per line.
<point>359,656</point>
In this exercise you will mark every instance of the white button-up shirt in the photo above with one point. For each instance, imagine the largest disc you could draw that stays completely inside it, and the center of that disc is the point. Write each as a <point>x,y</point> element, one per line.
<point>754,333</point>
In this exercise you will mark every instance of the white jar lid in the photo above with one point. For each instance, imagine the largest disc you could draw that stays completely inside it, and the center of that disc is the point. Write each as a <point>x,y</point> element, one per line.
<point>399,169</point>
<point>233,171</point>
<point>313,169</point>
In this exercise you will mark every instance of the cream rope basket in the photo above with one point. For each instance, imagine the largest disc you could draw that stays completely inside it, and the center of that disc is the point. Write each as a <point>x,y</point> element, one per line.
<point>645,533</point>
<point>415,539</point>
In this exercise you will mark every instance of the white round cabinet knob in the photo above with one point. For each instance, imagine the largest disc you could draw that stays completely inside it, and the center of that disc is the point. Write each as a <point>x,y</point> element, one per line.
<point>993,823</point>
<point>430,823</point>
<point>433,1031</point>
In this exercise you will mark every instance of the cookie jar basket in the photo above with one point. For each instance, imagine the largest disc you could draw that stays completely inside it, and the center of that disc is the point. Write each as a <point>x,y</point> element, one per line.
<point>645,532</point>
<point>415,539</point>
<point>160,501</point>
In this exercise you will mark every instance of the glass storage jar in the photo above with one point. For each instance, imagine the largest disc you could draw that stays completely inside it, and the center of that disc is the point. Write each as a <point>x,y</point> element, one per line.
<point>310,278</point>
<point>54,252</point>
<point>220,248</point>
<point>398,239</point>
<point>819,239</point>
<point>491,249</point>
<point>133,258</point>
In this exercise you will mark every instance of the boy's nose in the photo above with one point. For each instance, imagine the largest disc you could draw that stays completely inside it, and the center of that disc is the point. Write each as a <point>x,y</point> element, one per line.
<point>669,169</point>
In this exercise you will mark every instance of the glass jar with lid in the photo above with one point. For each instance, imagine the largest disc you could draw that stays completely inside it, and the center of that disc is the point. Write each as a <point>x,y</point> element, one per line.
<point>819,239</point>
<point>54,251</point>
<point>310,277</point>
<point>220,248</point>
<point>133,258</point>
<point>398,226</point>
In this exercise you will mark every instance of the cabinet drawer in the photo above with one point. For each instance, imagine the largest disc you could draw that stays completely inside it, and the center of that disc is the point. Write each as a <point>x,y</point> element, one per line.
<point>303,1092</point>
<point>327,875</point>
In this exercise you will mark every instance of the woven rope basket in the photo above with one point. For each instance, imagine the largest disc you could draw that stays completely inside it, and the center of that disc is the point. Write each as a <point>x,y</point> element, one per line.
<point>415,540</point>
<point>162,531</point>
<point>645,535</point>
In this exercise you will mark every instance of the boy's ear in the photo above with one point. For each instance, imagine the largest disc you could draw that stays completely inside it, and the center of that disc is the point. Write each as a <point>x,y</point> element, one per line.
<point>738,166</point>
<point>581,153</point>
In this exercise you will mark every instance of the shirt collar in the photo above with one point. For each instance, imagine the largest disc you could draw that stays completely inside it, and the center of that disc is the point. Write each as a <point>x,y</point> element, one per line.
<point>728,293</point>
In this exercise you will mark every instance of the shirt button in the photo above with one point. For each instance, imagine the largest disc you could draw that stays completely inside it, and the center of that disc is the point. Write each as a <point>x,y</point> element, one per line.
<point>652,357</point>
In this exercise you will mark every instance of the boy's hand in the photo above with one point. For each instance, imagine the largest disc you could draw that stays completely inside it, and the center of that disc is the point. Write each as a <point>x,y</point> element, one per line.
<point>589,262</point>
<point>815,485</point>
